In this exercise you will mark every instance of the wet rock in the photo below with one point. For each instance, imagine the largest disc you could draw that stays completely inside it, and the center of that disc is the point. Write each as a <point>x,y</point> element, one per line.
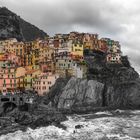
<point>37,117</point>
<point>78,126</point>
<point>4,122</point>
<point>43,116</point>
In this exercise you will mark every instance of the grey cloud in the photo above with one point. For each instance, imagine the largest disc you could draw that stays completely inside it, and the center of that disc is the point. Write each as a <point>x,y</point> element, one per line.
<point>61,14</point>
<point>118,19</point>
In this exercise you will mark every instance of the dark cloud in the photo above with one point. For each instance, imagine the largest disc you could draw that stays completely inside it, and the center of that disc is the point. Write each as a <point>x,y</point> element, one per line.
<point>54,15</point>
<point>118,19</point>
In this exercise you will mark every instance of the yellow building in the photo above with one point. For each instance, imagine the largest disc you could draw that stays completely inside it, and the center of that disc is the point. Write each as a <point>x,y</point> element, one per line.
<point>46,53</point>
<point>20,74</point>
<point>16,48</point>
<point>32,67</point>
<point>27,59</point>
<point>2,55</point>
<point>30,76</point>
<point>77,50</point>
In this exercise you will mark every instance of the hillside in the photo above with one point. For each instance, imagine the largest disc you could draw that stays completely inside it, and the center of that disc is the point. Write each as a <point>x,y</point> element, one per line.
<point>12,26</point>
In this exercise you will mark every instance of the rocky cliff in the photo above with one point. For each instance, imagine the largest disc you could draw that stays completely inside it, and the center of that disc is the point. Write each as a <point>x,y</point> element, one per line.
<point>106,86</point>
<point>12,26</point>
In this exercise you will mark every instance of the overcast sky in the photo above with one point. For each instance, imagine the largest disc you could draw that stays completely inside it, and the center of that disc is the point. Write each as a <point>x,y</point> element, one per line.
<point>117,19</point>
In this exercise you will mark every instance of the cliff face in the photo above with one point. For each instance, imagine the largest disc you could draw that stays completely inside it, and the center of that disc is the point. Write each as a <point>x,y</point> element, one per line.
<point>79,92</point>
<point>111,86</point>
<point>12,26</point>
<point>124,95</point>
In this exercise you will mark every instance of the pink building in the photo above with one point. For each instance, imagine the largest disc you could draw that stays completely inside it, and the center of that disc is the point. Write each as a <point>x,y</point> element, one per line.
<point>44,83</point>
<point>11,79</point>
<point>14,59</point>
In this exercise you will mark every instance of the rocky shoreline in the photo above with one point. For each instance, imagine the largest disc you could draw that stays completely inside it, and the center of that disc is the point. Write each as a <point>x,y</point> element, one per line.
<point>42,116</point>
<point>15,119</point>
<point>22,120</point>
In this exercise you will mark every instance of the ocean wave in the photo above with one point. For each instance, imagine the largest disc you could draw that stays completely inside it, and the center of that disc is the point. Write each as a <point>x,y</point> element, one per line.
<point>135,112</point>
<point>108,127</point>
<point>104,113</point>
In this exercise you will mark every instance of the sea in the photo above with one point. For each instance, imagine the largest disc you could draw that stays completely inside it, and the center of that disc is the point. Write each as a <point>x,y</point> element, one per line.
<point>106,125</point>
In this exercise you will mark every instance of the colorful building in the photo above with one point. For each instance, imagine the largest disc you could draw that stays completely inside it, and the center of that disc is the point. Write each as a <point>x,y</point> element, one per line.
<point>114,58</point>
<point>114,54</point>
<point>16,48</point>
<point>77,51</point>
<point>47,66</point>
<point>90,41</point>
<point>12,79</point>
<point>44,83</point>
<point>29,78</point>
<point>102,46</point>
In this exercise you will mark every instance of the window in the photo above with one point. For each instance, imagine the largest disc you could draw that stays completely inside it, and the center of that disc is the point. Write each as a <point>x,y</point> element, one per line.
<point>44,83</point>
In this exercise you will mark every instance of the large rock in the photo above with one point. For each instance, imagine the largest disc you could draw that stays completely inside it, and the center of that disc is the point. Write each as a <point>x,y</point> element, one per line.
<point>4,122</point>
<point>79,92</point>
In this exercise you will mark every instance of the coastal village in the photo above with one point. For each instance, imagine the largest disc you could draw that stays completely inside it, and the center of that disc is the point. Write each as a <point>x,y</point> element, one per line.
<point>36,65</point>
